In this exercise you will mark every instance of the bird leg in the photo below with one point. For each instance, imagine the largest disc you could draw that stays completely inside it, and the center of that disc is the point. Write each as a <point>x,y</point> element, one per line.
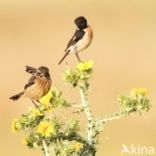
<point>35,104</point>
<point>77,55</point>
<point>39,102</point>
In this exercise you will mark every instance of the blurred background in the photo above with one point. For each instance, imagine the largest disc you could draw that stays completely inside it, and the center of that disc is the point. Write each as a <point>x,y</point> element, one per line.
<point>36,32</point>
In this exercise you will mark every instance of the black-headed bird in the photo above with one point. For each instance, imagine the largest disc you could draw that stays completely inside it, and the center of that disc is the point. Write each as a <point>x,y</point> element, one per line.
<point>81,39</point>
<point>38,85</point>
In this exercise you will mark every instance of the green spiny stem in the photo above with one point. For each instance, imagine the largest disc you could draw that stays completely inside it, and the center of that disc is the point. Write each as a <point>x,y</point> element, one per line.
<point>46,152</point>
<point>114,116</point>
<point>87,110</point>
<point>100,123</point>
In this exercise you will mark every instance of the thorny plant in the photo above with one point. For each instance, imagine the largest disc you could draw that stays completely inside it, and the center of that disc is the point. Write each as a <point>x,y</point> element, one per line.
<point>42,128</point>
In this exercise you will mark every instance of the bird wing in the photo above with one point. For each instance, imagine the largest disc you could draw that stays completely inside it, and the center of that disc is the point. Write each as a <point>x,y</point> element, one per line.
<point>30,82</point>
<point>78,35</point>
<point>30,69</point>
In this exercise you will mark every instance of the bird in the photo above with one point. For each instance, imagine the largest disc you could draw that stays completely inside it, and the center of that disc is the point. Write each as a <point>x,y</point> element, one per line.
<point>37,86</point>
<point>81,39</point>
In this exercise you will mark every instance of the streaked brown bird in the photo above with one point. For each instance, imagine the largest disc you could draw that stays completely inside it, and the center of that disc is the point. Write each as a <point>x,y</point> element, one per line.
<point>81,39</point>
<point>38,85</point>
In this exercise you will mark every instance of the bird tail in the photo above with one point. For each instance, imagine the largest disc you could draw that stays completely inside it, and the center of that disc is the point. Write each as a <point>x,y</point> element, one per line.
<point>65,55</point>
<point>16,97</point>
<point>30,69</point>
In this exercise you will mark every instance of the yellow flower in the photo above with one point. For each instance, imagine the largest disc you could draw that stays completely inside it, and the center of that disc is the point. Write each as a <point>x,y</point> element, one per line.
<point>45,128</point>
<point>45,100</point>
<point>36,112</point>
<point>77,146</point>
<point>86,65</point>
<point>139,92</point>
<point>25,141</point>
<point>16,126</point>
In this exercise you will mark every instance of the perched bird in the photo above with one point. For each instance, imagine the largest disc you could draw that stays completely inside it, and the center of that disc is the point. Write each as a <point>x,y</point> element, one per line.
<point>81,39</point>
<point>38,85</point>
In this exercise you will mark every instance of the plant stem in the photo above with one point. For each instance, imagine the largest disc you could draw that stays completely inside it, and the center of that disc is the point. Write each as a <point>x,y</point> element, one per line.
<point>46,152</point>
<point>114,116</point>
<point>87,110</point>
